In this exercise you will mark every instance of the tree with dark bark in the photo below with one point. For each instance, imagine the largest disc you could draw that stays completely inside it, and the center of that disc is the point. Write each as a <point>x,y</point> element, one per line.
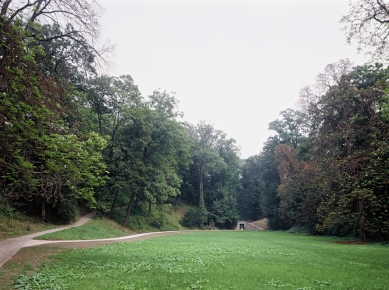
<point>367,24</point>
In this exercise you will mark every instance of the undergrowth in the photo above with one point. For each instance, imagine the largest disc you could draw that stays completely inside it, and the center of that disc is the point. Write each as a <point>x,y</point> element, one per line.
<point>14,223</point>
<point>164,217</point>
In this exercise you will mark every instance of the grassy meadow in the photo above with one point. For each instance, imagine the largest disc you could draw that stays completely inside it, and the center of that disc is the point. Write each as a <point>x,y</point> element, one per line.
<point>217,260</point>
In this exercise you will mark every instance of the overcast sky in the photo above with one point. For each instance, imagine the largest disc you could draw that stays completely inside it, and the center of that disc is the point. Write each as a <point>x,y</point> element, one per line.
<point>233,63</point>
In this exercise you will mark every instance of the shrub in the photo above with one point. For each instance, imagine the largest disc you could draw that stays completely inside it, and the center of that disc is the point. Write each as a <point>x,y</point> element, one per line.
<point>192,219</point>
<point>5,208</point>
<point>65,211</point>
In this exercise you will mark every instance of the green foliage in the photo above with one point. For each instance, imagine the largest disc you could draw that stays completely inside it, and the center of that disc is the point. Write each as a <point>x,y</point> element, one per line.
<point>76,163</point>
<point>43,161</point>
<point>260,180</point>
<point>348,153</point>
<point>164,217</point>
<point>192,219</point>
<point>6,209</point>
<point>298,189</point>
<point>212,182</point>
<point>223,212</point>
<point>218,260</point>
<point>292,128</point>
<point>52,102</point>
<point>299,229</point>
<point>248,198</point>
<point>66,211</point>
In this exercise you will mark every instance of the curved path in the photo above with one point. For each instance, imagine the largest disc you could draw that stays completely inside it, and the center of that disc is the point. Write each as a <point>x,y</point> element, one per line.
<point>9,247</point>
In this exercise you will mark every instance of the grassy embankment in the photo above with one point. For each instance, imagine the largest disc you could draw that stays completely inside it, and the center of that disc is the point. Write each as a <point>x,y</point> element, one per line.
<point>16,224</point>
<point>164,217</point>
<point>94,229</point>
<point>218,260</point>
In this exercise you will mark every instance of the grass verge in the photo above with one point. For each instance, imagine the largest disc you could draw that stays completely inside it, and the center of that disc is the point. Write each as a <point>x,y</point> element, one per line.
<point>18,224</point>
<point>94,229</point>
<point>217,260</point>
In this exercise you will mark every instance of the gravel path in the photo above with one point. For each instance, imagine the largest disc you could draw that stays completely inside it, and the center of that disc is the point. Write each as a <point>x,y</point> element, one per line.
<point>10,247</point>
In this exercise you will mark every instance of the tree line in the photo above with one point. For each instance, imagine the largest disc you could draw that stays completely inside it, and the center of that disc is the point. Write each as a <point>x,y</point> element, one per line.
<point>326,169</point>
<point>73,136</point>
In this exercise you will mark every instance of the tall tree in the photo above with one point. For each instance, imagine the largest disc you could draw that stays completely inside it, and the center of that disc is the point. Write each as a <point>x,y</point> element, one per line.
<point>367,24</point>
<point>204,157</point>
<point>348,129</point>
<point>292,128</point>
<point>249,196</point>
<point>36,103</point>
<point>74,20</point>
<point>298,191</point>
<point>166,152</point>
<point>213,180</point>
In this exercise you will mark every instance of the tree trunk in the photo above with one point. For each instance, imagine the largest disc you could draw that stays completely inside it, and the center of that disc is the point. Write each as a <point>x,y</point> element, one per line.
<point>5,7</point>
<point>361,222</point>
<point>362,233</point>
<point>113,203</point>
<point>43,209</point>
<point>149,213</point>
<point>201,187</point>
<point>129,209</point>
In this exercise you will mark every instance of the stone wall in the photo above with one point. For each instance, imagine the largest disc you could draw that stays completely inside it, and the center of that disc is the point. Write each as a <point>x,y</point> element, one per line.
<point>245,225</point>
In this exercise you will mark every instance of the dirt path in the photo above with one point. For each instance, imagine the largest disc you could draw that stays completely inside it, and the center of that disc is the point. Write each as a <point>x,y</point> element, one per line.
<point>9,247</point>
<point>24,254</point>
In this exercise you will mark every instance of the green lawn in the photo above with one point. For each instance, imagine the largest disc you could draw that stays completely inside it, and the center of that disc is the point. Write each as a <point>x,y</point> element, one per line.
<point>218,260</point>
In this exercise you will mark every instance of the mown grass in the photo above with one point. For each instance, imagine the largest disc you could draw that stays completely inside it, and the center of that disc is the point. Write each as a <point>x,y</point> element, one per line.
<point>94,229</point>
<point>218,260</point>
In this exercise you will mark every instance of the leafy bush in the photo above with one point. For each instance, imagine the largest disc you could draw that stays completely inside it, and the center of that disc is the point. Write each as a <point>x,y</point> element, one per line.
<point>298,229</point>
<point>65,211</point>
<point>161,218</point>
<point>341,230</point>
<point>5,208</point>
<point>192,219</point>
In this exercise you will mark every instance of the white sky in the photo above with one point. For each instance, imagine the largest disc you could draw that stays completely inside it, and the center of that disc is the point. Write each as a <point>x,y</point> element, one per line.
<point>233,63</point>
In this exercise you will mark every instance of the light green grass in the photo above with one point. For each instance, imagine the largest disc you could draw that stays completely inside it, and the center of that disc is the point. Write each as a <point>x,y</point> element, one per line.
<point>94,229</point>
<point>218,260</point>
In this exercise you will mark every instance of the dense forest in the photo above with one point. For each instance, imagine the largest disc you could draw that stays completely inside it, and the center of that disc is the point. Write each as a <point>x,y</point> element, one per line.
<point>73,136</point>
